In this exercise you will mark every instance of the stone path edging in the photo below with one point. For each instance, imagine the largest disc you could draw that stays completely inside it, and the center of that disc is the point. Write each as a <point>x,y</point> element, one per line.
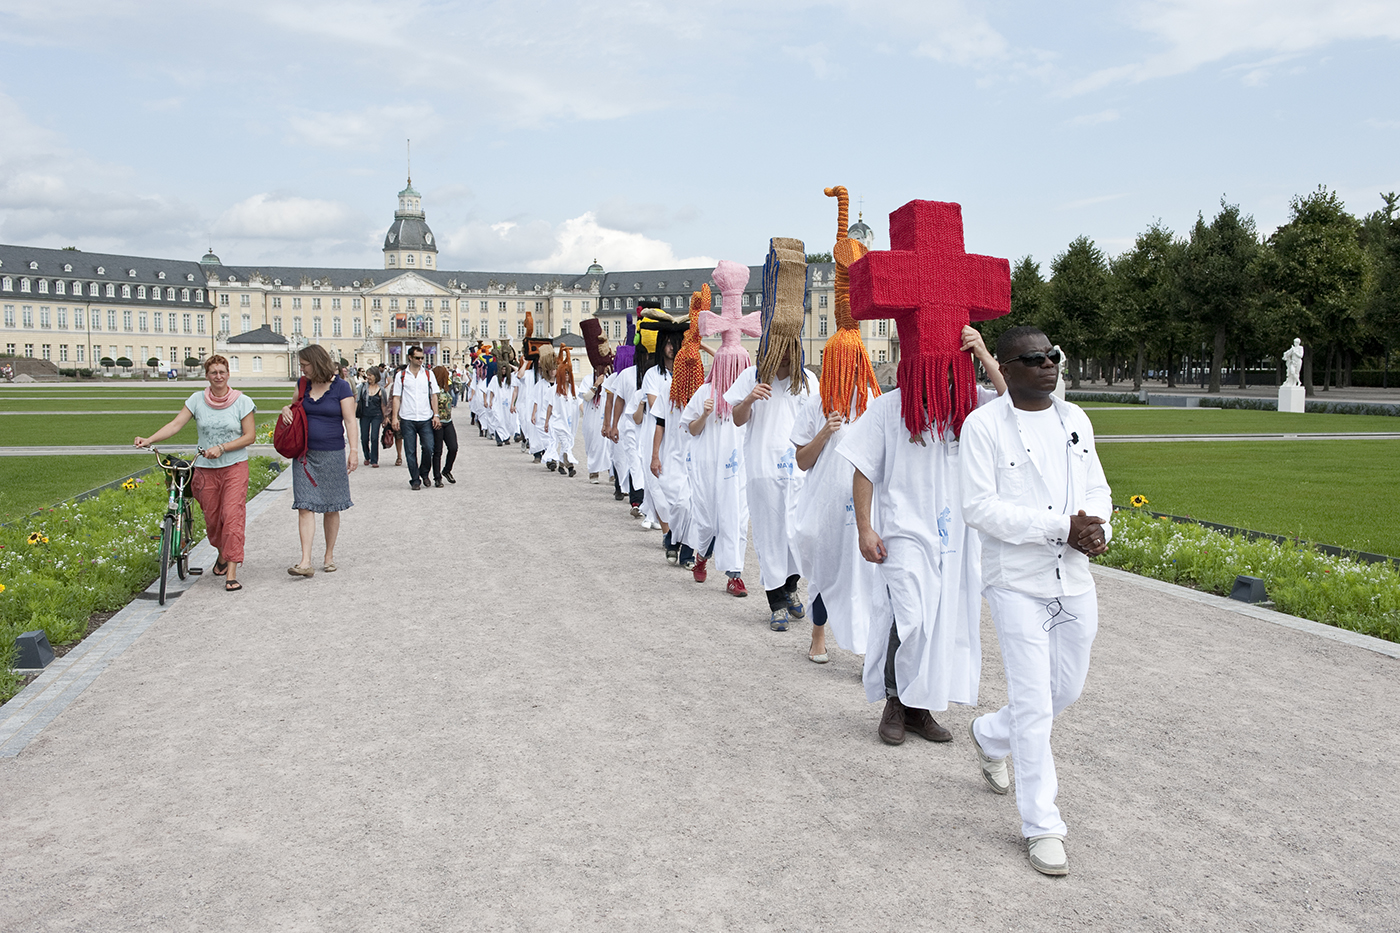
<point>34,707</point>
<point>1297,623</point>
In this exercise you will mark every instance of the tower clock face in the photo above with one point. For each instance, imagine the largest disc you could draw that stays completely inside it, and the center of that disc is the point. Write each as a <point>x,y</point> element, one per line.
<point>428,237</point>
<point>392,237</point>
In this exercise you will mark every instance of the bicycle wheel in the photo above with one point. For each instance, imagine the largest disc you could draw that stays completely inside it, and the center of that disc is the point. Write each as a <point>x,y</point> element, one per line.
<point>167,540</point>
<point>182,547</point>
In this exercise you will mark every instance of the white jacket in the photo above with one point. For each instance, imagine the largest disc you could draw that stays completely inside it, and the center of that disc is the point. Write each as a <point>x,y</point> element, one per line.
<point>1024,540</point>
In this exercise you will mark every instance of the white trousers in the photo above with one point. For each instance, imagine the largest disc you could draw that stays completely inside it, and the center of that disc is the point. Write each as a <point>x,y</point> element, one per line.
<point>1045,647</point>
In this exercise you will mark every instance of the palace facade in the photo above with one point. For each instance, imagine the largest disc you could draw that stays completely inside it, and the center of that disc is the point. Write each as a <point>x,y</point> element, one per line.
<point>77,308</point>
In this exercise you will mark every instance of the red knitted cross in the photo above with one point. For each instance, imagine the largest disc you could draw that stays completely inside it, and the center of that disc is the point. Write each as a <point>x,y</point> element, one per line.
<point>932,288</point>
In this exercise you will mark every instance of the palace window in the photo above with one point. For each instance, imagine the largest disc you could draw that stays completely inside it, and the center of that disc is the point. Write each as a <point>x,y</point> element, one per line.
<point>519,329</point>
<point>485,307</point>
<point>316,327</point>
<point>10,320</point>
<point>503,333</point>
<point>246,322</point>
<point>185,295</point>
<point>821,300</point>
<point>111,290</point>
<point>26,316</point>
<point>223,300</point>
<point>43,286</point>
<point>185,323</point>
<point>78,319</point>
<point>408,259</point>
<point>412,304</point>
<point>296,304</point>
<point>112,319</point>
<point>485,328</point>
<point>44,318</point>
<point>126,291</point>
<point>45,352</point>
<point>355,305</point>
<point>315,304</point>
<point>882,328</point>
<point>62,318</point>
<point>501,307</point>
<point>141,292</point>
<point>257,364</point>
<point>447,327</point>
<point>391,259</point>
<point>159,322</point>
<point>335,327</point>
<point>233,364</point>
<point>277,324</point>
<point>224,323</point>
<point>80,352</point>
<point>393,304</point>
<point>199,295</point>
<point>24,286</point>
<point>172,322</point>
<point>29,350</point>
<point>375,305</point>
<point>335,304</point>
<point>356,327</point>
<point>7,284</point>
<point>170,296</point>
<point>199,325</point>
<point>539,307</point>
<point>821,326</point>
<point>60,287</point>
<point>155,292</point>
<point>296,325</point>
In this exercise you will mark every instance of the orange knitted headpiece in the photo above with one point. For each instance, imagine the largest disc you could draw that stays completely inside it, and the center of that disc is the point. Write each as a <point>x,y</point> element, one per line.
<point>848,379</point>
<point>688,370</point>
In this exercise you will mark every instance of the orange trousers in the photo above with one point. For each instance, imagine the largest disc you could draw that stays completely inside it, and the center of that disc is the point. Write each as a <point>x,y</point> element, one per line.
<point>222,492</point>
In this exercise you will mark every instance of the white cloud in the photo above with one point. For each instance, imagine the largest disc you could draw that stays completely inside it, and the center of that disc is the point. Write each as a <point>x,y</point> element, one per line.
<point>1201,32</point>
<point>365,129</point>
<point>1094,119</point>
<point>814,56</point>
<point>572,245</point>
<point>52,195</point>
<point>1089,202</point>
<point>286,217</point>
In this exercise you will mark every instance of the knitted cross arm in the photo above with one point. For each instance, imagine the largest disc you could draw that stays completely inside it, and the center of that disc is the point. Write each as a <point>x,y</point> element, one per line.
<point>784,303</point>
<point>932,288</point>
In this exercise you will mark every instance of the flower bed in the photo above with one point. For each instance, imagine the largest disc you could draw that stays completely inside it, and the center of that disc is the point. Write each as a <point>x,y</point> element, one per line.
<point>62,565</point>
<point>1301,581</point>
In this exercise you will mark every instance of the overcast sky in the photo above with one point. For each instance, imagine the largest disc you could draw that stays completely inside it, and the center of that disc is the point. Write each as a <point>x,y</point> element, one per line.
<point>656,134</point>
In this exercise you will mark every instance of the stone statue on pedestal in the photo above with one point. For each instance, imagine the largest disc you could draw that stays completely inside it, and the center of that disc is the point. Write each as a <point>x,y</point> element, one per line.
<point>1293,359</point>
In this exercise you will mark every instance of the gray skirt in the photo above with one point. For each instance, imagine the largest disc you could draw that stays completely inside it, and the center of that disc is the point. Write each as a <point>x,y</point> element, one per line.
<point>331,490</point>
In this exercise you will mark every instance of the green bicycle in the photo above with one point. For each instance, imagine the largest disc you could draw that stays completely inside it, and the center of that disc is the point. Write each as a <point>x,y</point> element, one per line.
<point>177,527</point>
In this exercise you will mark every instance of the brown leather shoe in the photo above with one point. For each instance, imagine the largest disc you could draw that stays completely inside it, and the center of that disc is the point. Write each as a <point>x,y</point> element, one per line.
<point>921,722</point>
<point>892,722</point>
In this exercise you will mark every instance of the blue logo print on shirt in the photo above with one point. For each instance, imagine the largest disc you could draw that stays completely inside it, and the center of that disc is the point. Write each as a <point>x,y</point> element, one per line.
<point>788,461</point>
<point>731,469</point>
<point>943,518</point>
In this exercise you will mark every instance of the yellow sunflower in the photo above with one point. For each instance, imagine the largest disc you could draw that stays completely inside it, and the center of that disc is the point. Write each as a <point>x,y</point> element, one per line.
<point>36,537</point>
<point>2,587</point>
<point>129,485</point>
<point>1138,502</point>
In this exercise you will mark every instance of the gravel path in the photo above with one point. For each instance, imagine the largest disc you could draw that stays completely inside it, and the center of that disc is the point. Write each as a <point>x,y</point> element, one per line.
<point>506,712</point>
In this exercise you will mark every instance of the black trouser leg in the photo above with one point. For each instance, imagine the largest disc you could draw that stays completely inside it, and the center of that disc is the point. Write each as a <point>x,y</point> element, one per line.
<point>891,685</point>
<point>449,437</point>
<point>818,611</point>
<point>777,599</point>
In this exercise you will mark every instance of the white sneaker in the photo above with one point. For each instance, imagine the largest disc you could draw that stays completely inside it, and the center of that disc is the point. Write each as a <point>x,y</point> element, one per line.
<point>1047,854</point>
<point>994,770</point>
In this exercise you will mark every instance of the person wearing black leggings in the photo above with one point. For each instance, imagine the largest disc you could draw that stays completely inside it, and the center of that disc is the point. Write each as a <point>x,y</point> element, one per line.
<point>445,434</point>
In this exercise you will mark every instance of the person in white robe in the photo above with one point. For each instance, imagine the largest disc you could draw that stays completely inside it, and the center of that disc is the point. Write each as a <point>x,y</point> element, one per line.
<point>718,523</point>
<point>923,649</point>
<point>562,417</point>
<point>768,412</point>
<point>1020,453</point>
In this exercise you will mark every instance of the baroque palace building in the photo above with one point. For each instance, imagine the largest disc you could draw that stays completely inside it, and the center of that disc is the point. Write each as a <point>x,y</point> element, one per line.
<point>77,308</point>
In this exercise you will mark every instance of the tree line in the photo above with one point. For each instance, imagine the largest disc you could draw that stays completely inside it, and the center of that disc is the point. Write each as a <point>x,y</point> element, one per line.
<point>1224,298</point>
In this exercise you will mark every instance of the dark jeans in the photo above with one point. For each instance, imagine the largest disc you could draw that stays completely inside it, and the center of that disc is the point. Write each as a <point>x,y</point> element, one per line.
<point>818,611</point>
<point>369,438</point>
<point>777,599</point>
<point>445,436</point>
<point>413,433</point>
<point>891,682</point>
<point>635,495</point>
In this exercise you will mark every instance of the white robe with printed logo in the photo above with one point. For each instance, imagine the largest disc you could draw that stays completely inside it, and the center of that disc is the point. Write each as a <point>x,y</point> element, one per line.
<point>773,478</point>
<point>932,574</point>
<point>719,506</point>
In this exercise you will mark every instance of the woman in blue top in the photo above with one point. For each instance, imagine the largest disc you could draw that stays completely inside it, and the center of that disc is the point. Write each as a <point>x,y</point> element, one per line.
<point>321,479</point>
<point>224,417</point>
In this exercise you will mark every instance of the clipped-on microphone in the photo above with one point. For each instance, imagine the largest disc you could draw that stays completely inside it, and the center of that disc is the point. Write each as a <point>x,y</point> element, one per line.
<point>1074,437</point>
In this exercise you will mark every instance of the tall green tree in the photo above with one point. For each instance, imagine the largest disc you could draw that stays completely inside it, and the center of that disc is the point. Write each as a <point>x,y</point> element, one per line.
<point>1380,238</point>
<point>1218,279</point>
<point>1318,264</point>
<point>1078,295</point>
<point>1142,293</point>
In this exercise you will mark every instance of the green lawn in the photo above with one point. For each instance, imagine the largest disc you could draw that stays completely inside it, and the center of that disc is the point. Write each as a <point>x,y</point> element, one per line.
<point>1329,492</point>
<point>71,430</point>
<point>1143,420</point>
<point>170,402</point>
<point>28,484</point>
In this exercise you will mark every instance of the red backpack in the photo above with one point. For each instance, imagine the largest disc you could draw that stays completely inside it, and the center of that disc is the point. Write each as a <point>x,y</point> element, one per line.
<point>289,440</point>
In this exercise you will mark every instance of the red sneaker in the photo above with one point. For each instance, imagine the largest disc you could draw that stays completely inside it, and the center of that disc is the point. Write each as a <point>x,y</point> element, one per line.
<point>698,572</point>
<point>736,587</point>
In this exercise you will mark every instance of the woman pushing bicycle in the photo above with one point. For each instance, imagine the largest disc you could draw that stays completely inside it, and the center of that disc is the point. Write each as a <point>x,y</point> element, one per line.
<point>224,417</point>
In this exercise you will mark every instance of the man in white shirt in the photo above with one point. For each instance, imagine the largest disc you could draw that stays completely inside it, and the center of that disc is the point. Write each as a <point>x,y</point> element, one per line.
<point>415,408</point>
<point>1033,486</point>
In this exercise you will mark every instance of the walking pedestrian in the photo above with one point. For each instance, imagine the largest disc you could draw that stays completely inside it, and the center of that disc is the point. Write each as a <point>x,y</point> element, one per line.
<point>444,431</point>
<point>370,409</point>
<point>415,416</point>
<point>321,478</point>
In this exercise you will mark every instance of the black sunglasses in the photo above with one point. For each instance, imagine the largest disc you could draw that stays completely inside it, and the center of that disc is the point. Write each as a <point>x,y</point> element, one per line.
<point>1037,359</point>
